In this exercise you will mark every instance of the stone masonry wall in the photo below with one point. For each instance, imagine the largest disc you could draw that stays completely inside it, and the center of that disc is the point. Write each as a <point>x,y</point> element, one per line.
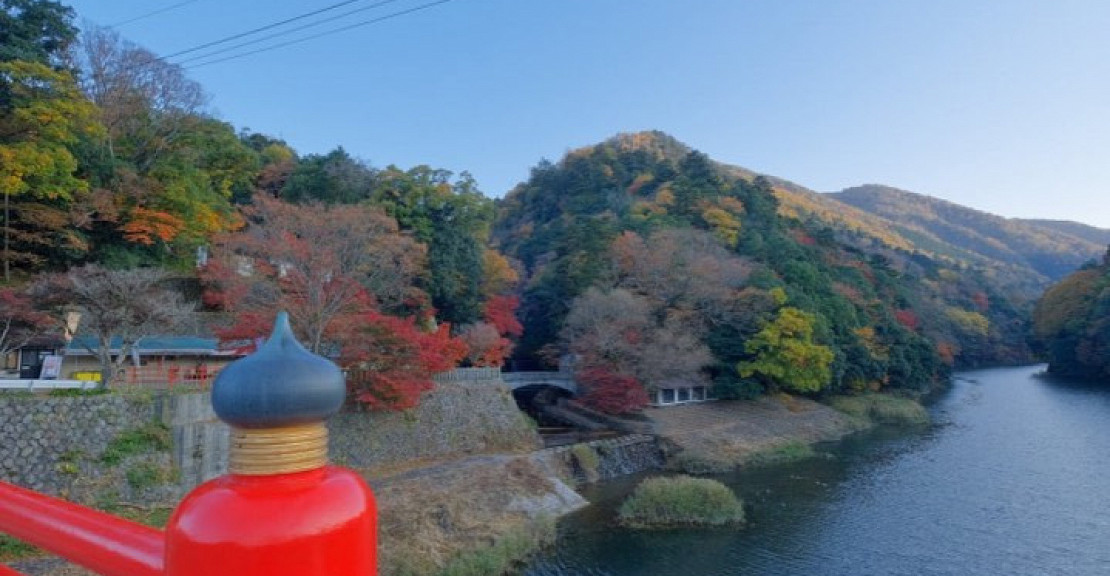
<point>55,445</point>
<point>600,460</point>
<point>454,419</point>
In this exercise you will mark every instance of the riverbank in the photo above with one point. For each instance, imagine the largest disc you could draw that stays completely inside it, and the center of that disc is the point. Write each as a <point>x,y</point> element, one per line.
<point>717,437</point>
<point>460,514</point>
<point>471,516</point>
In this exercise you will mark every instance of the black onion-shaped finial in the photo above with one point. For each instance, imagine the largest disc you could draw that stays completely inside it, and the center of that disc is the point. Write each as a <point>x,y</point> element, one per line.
<point>281,384</point>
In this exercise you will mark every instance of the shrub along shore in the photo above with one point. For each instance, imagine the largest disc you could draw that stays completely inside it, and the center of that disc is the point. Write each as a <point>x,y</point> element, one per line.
<point>666,501</point>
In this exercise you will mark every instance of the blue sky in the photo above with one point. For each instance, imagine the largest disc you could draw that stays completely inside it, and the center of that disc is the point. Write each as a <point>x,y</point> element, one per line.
<point>1000,105</point>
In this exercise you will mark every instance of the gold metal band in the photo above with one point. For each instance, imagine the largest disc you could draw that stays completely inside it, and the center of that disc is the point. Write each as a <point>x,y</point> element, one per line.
<point>266,451</point>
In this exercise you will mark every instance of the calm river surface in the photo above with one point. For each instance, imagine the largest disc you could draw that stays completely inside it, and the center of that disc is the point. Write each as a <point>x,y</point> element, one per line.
<point>1013,479</point>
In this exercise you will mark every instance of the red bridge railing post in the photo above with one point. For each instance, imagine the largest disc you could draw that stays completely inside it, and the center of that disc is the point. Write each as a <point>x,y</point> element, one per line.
<point>281,511</point>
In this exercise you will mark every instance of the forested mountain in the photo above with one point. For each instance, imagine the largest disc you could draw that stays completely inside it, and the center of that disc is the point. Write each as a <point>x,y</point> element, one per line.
<point>867,230</point>
<point>1100,236</point>
<point>647,259</point>
<point>1072,322</point>
<point>945,228</point>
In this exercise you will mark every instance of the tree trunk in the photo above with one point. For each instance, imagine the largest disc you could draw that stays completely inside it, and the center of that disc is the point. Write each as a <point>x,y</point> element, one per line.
<point>7,234</point>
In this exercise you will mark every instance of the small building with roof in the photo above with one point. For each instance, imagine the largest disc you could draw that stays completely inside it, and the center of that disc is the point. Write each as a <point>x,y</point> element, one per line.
<point>155,360</point>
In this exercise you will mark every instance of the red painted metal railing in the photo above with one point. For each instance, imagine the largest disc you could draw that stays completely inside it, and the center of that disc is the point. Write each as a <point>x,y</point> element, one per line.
<point>5,571</point>
<point>100,542</point>
<point>282,511</point>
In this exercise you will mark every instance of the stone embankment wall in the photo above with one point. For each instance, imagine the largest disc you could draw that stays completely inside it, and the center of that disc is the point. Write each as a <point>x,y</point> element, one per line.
<point>460,417</point>
<point>58,446</point>
<point>469,412</point>
<point>602,460</point>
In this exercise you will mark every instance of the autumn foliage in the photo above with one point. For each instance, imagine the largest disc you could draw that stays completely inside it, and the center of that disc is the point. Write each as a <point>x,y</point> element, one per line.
<point>345,274</point>
<point>391,360</point>
<point>610,392</point>
<point>146,226</point>
<point>907,318</point>
<point>489,342</point>
<point>485,346</point>
<point>20,322</point>
<point>1072,322</point>
<point>501,313</point>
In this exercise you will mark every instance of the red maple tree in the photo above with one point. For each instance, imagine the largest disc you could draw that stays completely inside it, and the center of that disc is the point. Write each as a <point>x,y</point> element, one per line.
<point>20,322</point>
<point>485,346</point>
<point>501,313</point>
<point>907,318</point>
<point>611,392</point>
<point>391,361</point>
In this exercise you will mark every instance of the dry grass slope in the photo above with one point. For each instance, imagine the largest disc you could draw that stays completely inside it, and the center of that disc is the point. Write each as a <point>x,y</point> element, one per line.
<point>718,436</point>
<point>475,516</point>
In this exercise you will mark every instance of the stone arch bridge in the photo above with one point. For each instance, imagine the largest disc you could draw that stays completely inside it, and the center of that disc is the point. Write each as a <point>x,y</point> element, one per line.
<point>514,380</point>
<point>561,380</point>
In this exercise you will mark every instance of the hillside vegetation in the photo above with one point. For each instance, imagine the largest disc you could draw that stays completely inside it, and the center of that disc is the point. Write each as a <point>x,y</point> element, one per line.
<point>1072,322</point>
<point>650,264</point>
<point>1092,234</point>
<point>1051,250</point>
<point>122,191</point>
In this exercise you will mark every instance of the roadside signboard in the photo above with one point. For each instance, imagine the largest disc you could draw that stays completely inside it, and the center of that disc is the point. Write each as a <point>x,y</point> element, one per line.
<point>51,367</point>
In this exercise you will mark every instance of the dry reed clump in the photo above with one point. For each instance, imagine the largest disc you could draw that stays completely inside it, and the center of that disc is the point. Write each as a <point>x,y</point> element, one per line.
<point>681,500</point>
<point>587,460</point>
<point>882,409</point>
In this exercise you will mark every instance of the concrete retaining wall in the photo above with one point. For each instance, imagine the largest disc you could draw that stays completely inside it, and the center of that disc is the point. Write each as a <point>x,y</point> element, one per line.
<point>200,440</point>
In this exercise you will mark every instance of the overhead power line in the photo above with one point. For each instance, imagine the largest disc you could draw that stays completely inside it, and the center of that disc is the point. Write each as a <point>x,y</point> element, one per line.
<point>152,13</point>
<point>260,29</point>
<point>322,34</point>
<point>283,32</point>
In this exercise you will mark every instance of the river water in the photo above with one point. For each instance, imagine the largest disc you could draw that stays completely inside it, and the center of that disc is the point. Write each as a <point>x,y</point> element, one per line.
<point>1012,479</point>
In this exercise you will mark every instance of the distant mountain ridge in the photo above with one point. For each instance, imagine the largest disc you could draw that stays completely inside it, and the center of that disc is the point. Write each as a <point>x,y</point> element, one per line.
<point>1100,236</point>
<point>1052,249</point>
<point>1029,254</point>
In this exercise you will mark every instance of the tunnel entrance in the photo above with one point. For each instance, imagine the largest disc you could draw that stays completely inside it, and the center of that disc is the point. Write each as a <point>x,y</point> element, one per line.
<point>558,426</point>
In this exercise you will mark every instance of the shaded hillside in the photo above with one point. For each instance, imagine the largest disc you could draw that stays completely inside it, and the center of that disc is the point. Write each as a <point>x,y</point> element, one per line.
<point>645,257</point>
<point>871,232</point>
<point>801,203</point>
<point>1100,236</point>
<point>950,229</point>
<point>1072,322</point>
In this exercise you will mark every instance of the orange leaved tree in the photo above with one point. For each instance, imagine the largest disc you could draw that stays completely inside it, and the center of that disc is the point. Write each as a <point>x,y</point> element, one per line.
<point>345,274</point>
